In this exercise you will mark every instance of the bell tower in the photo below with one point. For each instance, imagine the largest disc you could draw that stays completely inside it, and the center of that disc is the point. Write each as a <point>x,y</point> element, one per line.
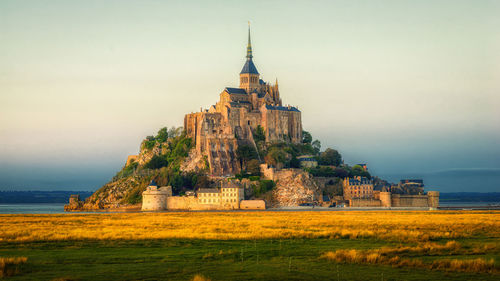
<point>249,76</point>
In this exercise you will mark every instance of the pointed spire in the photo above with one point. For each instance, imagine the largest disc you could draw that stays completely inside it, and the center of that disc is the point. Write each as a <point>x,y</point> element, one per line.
<point>249,46</point>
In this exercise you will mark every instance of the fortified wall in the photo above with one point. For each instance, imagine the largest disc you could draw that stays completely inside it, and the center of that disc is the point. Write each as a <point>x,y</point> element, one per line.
<point>388,200</point>
<point>228,197</point>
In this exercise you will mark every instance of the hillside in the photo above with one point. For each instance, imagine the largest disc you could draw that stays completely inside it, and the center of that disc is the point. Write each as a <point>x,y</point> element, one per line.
<point>159,158</point>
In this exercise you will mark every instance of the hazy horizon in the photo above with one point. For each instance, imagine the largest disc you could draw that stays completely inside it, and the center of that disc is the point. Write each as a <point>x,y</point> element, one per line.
<point>410,88</point>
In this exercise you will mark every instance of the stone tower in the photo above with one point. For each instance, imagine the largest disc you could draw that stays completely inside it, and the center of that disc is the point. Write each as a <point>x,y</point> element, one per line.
<point>249,76</point>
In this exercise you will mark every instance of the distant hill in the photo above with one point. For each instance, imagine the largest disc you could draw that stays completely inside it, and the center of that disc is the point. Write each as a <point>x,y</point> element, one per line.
<point>40,196</point>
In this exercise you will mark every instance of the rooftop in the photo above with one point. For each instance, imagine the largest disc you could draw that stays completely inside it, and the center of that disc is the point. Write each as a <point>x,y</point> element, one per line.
<point>235,91</point>
<point>284,108</point>
<point>249,67</point>
<point>208,190</point>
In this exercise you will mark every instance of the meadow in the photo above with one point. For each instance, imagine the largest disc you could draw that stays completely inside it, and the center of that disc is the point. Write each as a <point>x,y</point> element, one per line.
<point>339,245</point>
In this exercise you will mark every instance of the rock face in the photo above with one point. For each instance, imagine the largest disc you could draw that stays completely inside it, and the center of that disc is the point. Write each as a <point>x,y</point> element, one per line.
<point>195,162</point>
<point>114,194</point>
<point>74,203</point>
<point>294,187</point>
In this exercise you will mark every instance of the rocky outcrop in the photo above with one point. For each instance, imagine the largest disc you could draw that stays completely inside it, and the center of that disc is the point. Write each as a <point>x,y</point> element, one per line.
<point>146,154</point>
<point>117,193</point>
<point>195,162</point>
<point>294,187</point>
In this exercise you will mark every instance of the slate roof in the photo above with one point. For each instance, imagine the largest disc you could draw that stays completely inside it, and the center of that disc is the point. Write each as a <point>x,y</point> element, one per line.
<point>364,180</point>
<point>249,67</point>
<point>284,108</point>
<point>236,103</point>
<point>208,190</point>
<point>153,183</point>
<point>235,90</point>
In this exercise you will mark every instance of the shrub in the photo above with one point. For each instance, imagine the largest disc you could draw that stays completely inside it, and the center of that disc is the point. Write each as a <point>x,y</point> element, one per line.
<point>263,187</point>
<point>254,178</point>
<point>199,277</point>
<point>157,162</point>
<point>10,266</point>
<point>149,142</point>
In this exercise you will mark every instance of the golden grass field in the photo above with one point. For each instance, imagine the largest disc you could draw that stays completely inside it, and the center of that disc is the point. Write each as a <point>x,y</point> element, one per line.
<point>404,226</point>
<point>451,241</point>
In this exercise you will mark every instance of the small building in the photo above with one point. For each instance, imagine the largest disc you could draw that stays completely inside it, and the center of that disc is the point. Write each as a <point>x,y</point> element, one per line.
<point>357,187</point>
<point>363,165</point>
<point>154,198</point>
<point>131,159</point>
<point>252,205</point>
<point>228,196</point>
<point>231,195</point>
<point>307,161</point>
<point>209,196</point>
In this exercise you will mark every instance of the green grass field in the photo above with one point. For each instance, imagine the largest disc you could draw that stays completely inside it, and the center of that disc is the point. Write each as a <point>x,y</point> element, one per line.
<point>287,259</point>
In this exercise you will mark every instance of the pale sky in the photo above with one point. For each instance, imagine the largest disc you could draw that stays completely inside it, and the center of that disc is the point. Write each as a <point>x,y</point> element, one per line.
<point>409,87</point>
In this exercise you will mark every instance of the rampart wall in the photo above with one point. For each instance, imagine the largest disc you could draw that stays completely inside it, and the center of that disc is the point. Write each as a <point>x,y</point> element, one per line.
<point>386,199</point>
<point>362,202</point>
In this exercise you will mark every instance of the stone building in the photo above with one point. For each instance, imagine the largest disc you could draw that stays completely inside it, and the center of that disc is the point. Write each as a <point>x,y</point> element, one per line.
<point>357,187</point>
<point>307,161</point>
<point>209,196</point>
<point>154,198</point>
<point>232,121</point>
<point>228,196</point>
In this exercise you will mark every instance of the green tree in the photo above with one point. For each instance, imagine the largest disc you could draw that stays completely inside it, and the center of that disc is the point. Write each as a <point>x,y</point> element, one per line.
<point>174,132</point>
<point>149,142</point>
<point>330,157</point>
<point>162,135</point>
<point>276,156</point>
<point>244,153</point>
<point>316,144</point>
<point>259,134</point>
<point>306,137</point>
<point>357,170</point>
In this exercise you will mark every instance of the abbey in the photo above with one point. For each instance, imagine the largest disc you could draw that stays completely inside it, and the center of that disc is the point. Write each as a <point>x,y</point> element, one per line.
<point>232,121</point>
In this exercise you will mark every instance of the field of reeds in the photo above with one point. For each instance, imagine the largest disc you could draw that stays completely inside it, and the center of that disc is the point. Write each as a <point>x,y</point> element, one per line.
<point>337,245</point>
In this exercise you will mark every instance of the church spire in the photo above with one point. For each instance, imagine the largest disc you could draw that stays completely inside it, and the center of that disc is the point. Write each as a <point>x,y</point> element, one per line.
<point>249,67</point>
<point>249,45</point>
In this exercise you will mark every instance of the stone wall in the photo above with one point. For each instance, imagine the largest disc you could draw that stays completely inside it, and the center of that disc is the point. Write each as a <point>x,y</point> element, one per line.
<point>189,203</point>
<point>131,158</point>
<point>409,200</point>
<point>361,202</point>
<point>267,172</point>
